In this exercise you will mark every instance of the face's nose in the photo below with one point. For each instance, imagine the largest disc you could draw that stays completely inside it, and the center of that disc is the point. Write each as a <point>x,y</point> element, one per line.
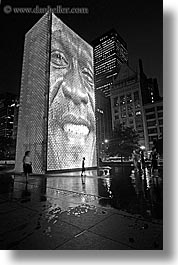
<point>74,87</point>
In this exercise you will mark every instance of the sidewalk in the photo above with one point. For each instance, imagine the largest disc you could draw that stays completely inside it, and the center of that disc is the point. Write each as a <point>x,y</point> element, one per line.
<point>43,214</point>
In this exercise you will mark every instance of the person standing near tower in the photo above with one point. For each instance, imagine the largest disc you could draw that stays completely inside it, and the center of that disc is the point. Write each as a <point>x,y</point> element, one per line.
<point>27,165</point>
<point>83,170</point>
<point>154,159</point>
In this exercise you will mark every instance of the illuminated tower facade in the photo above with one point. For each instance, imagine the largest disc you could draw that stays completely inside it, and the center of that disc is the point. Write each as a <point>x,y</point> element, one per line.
<point>57,99</point>
<point>110,52</point>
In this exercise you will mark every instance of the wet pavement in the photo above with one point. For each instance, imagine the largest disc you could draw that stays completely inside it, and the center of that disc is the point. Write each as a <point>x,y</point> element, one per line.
<point>118,211</point>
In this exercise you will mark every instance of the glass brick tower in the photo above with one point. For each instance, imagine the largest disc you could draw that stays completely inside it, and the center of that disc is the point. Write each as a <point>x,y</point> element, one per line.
<point>57,99</point>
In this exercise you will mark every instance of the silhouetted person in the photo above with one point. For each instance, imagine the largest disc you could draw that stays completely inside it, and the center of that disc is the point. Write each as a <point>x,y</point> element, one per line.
<point>27,164</point>
<point>135,158</point>
<point>142,160</point>
<point>100,161</point>
<point>83,170</point>
<point>154,159</point>
<point>139,167</point>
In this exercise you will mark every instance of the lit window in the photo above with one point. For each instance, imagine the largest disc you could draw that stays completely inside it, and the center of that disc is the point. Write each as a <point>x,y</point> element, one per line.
<point>138,113</point>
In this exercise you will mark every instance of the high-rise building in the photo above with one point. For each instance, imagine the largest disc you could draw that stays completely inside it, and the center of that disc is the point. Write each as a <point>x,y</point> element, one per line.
<point>126,102</point>
<point>154,122</point>
<point>8,115</point>
<point>103,122</point>
<point>135,103</point>
<point>110,52</point>
<point>149,87</point>
<point>15,121</point>
<point>57,99</point>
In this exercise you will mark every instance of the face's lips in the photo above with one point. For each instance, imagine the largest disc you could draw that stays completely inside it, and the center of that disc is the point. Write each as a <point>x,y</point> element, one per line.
<point>75,127</point>
<point>74,130</point>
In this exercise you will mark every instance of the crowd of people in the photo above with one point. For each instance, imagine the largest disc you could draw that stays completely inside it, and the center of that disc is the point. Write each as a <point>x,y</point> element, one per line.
<point>139,159</point>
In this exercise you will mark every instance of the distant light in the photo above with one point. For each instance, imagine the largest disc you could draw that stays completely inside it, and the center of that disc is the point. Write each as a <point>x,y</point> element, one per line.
<point>106,141</point>
<point>142,147</point>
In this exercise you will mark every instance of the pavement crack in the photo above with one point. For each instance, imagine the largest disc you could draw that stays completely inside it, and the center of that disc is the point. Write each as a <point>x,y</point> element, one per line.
<point>81,233</point>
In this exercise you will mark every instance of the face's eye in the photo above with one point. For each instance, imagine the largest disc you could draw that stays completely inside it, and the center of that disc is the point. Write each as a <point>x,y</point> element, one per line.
<point>88,75</point>
<point>59,60</point>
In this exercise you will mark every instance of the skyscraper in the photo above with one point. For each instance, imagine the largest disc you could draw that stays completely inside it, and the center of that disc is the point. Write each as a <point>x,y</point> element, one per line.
<point>110,52</point>
<point>154,122</point>
<point>129,93</point>
<point>126,102</point>
<point>8,110</point>
<point>103,121</point>
<point>57,100</point>
<point>149,87</point>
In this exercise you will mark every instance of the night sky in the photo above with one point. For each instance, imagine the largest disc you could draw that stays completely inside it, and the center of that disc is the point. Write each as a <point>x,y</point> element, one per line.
<point>138,22</point>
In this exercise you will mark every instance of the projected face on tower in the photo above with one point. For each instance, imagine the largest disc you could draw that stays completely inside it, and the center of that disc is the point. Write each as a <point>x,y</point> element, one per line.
<point>71,123</point>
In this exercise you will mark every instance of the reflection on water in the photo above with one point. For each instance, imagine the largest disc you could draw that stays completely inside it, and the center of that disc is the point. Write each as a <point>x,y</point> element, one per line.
<point>133,191</point>
<point>33,190</point>
<point>26,194</point>
<point>125,189</point>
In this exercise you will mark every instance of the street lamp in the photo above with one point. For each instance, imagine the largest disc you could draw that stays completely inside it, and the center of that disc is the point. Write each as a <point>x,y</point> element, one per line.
<point>106,141</point>
<point>142,147</point>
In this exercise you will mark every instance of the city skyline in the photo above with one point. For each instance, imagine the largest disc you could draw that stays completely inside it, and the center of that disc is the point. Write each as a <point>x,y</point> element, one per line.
<point>131,20</point>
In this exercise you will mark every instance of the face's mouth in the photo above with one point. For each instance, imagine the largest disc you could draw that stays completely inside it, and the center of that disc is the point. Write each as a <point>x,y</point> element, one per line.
<point>76,128</point>
<point>75,131</point>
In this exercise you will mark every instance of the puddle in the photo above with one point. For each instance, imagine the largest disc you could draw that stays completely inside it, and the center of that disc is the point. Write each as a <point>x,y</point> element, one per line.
<point>83,209</point>
<point>125,190</point>
<point>133,192</point>
<point>79,210</point>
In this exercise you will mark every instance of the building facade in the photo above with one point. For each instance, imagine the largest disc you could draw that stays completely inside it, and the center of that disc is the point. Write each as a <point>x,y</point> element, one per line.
<point>8,115</point>
<point>57,99</point>
<point>110,52</point>
<point>149,87</point>
<point>154,122</point>
<point>103,122</point>
<point>135,103</point>
<point>126,102</point>
<point>8,125</point>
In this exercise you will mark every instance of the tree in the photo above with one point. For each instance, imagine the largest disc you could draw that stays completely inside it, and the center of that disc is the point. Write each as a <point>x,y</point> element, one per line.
<point>7,148</point>
<point>124,140</point>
